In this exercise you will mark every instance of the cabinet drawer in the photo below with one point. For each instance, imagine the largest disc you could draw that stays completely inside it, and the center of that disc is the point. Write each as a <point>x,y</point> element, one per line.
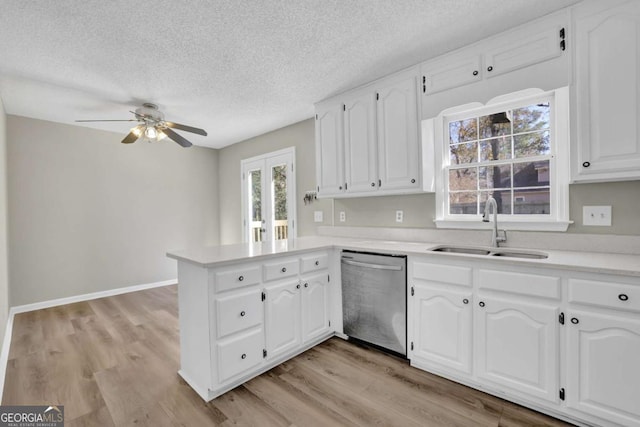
<point>280,269</point>
<point>240,355</point>
<point>237,277</point>
<point>314,262</point>
<point>442,273</point>
<point>239,311</point>
<point>520,283</point>
<point>605,294</point>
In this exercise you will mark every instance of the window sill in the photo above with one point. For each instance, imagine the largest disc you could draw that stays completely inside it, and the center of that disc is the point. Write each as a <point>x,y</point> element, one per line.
<point>477,224</point>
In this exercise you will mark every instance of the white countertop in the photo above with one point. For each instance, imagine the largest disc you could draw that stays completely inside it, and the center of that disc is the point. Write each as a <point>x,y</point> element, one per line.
<point>213,256</point>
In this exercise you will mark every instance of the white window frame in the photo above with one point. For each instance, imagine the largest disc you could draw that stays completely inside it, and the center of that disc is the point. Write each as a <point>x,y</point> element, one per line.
<point>265,162</point>
<point>559,163</point>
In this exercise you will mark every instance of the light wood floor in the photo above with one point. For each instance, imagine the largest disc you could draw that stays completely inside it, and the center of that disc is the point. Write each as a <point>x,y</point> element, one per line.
<point>113,361</point>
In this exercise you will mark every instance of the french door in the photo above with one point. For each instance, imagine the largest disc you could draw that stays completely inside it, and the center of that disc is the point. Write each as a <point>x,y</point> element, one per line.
<point>268,196</point>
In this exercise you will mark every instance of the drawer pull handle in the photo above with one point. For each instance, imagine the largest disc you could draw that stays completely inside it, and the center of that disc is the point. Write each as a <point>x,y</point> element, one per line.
<point>574,320</point>
<point>623,297</point>
<point>475,72</point>
<point>284,269</point>
<point>317,262</point>
<point>373,184</point>
<point>240,279</point>
<point>244,356</point>
<point>481,304</point>
<point>242,313</point>
<point>413,181</point>
<point>465,301</point>
<point>306,285</point>
<point>298,286</point>
<point>586,164</point>
<point>490,68</point>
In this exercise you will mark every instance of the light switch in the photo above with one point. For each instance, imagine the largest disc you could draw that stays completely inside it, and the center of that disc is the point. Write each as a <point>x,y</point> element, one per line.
<point>596,215</point>
<point>317,216</point>
<point>343,216</point>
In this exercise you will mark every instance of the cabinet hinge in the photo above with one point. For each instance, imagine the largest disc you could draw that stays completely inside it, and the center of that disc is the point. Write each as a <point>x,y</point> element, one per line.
<point>328,278</point>
<point>411,345</point>
<point>264,296</point>
<point>264,353</point>
<point>424,84</point>
<point>379,183</point>
<point>344,107</point>
<point>377,96</point>
<point>329,323</point>
<point>412,291</point>
<point>561,318</point>
<point>318,188</point>
<point>563,44</point>
<point>291,167</point>
<point>561,394</point>
<point>345,186</point>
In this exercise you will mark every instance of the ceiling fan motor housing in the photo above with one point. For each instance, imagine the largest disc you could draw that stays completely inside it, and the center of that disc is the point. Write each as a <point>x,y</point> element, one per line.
<point>150,113</point>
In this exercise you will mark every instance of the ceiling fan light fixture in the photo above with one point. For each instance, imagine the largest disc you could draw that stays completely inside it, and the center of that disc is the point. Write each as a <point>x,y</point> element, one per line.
<point>150,133</point>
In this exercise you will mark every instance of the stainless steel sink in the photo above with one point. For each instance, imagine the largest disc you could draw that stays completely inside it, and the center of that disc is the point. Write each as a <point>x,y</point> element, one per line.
<point>462,250</point>
<point>520,254</point>
<point>505,253</point>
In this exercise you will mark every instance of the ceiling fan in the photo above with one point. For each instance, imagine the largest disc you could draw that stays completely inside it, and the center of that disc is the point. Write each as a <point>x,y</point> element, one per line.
<point>153,127</point>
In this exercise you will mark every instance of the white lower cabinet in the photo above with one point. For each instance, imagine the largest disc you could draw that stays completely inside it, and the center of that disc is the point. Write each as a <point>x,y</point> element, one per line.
<point>315,306</point>
<point>516,345</point>
<point>240,354</point>
<point>282,317</point>
<point>442,327</point>
<point>603,366</point>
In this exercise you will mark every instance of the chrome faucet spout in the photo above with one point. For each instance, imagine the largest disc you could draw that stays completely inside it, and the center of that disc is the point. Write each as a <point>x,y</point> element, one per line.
<point>496,238</point>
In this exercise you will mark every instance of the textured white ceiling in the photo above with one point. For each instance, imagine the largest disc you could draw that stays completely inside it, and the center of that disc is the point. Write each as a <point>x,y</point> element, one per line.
<point>236,68</point>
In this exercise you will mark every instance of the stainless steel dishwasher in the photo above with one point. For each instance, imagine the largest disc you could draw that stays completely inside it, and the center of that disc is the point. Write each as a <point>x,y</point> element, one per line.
<point>374,299</point>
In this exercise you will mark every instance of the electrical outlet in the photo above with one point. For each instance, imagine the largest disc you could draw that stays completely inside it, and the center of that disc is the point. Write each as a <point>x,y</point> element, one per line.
<point>399,216</point>
<point>596,215</point>
<point>317,216</point>
<point>343,216</point>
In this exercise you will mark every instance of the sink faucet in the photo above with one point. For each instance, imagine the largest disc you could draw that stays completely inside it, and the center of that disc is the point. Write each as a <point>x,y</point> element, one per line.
<point>498,236</point>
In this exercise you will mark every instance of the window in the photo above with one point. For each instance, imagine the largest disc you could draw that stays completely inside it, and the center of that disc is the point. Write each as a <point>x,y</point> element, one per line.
<point>514,149</point>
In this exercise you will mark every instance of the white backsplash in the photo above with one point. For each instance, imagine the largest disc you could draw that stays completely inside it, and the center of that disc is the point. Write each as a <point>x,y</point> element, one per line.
<point>607,243</point>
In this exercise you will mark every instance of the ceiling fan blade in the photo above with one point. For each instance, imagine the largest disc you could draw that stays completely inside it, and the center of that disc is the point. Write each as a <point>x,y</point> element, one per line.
<point>127,120</point>
<point>177,138</point>
<point>186,128</point>
<point>132,136</point>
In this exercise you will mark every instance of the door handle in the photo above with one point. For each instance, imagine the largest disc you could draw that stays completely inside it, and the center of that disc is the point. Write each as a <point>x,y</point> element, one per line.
<point>374,266</point>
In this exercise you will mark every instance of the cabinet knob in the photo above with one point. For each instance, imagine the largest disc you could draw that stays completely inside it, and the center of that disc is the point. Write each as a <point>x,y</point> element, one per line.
<point>413,181</point>
<point>244,356</point>
<point>240,279</point>
<point>465,301</point>
<point>481,303</point>
<point>574,320</point>
<point>490,68</point>
<point>284,269</point>
<point>317,262</point>
<point>475,72</point>
<point>373,184</point>
<point>340,188</point>
<point>586,164</point>
<point>306,285</point>
<point>242,313</point>
<point>623,297</point>
<point>298,286</point>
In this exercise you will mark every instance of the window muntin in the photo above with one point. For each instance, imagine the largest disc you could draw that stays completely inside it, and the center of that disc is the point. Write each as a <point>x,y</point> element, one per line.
<point>505,153</point>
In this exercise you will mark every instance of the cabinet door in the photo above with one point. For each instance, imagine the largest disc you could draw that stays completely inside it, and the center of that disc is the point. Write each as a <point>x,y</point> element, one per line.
<point>329,149</point>
<point>315,306</point>
<point>360,143</point>
<point>442,327</point>
<point>607,76</point>
<point>451,71</point>
<point>517,346</point>
<point>282,320</point>
<point>522,48</point>
<point>603,369</point>
<point>398,150</point>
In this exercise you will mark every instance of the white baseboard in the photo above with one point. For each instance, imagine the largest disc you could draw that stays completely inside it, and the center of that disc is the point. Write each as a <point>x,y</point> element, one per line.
<point>6,343</point>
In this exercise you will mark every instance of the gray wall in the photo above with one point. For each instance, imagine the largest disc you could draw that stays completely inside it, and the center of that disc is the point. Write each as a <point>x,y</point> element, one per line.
<point>88,214</point>
<point>4,275</point>
<point>301,136</point>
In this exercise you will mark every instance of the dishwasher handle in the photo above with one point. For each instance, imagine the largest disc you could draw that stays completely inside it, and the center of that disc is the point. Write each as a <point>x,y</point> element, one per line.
<point>374,266</point>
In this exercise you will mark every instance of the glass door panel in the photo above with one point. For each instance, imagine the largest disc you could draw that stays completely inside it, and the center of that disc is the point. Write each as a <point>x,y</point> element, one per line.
<point>279,202</point>
<point>255,206</point>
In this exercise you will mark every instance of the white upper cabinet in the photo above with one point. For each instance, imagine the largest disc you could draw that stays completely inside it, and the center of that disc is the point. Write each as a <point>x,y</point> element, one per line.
<point>398,146</point>
<point>380,140</point>
<point>451,71</point>
<point>607,91</point>
<point>329,149</point>
<point>361,154</point>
